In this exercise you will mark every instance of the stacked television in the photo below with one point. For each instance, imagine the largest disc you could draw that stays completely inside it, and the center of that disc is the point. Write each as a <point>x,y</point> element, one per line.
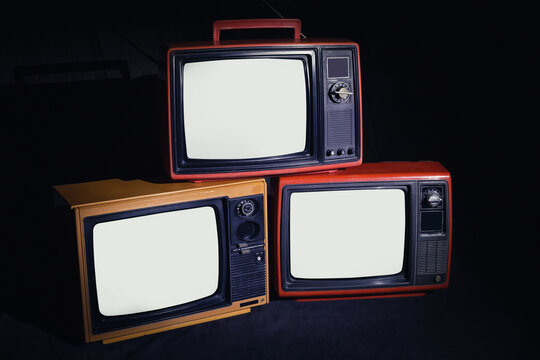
<point>245,120</point>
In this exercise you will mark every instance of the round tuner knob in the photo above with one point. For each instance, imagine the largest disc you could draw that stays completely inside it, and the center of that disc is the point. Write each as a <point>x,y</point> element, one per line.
<point>245,208</point>
<point>432,198</point>
<point>340,92</point>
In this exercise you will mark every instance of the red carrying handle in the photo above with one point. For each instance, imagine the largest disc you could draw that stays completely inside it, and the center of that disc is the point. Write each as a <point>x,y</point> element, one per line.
<point>257,24</point>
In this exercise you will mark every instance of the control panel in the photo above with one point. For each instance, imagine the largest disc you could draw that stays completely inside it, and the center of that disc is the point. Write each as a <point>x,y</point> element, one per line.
<point>247,222</point>
<point>247,250</point>
<point>432,212</point>
<point>432,244</point>
<point>340,79</point>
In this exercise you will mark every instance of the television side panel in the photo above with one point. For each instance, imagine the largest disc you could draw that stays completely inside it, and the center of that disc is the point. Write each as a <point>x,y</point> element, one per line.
<point>65,290</point>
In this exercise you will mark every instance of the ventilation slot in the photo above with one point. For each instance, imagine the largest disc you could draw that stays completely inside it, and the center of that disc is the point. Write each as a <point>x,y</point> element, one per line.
<point>340,128</point>
<point>248,276</point>
<point>432,257</point>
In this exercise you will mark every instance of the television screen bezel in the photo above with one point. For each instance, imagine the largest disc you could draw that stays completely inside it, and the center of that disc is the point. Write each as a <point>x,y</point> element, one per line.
<point>404,278</point>
<point>183,164</point>
<point>220,298</point>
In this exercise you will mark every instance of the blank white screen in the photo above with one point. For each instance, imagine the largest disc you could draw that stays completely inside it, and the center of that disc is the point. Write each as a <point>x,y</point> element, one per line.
<point>347,234</point>
<point>155,261</point>
<point>244,108</point>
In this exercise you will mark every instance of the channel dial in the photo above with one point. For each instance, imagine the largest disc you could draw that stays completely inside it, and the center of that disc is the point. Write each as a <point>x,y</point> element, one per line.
<point>340,92</point>
<point>245,208</point>
<point>432,198</point>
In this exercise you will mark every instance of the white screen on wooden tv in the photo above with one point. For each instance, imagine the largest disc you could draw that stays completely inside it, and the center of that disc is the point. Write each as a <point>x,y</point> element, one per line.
<point>244,108</point>
<point>347,233</point>
<point>155,261</point>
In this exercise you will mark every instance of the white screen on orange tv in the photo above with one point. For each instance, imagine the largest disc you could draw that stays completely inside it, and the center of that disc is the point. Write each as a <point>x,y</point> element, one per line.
<point>347,233</point>
<point>155,261</point>
<point>244,108</point>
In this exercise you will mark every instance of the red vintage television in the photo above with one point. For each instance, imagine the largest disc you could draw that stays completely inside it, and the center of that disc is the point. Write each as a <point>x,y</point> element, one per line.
<point>262,107</point>
<point>379,229</point>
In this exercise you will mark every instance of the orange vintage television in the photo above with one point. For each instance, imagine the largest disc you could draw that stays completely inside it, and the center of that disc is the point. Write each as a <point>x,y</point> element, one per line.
<point>379,229</point>
<point>262,107</point>
<point>158,256</point>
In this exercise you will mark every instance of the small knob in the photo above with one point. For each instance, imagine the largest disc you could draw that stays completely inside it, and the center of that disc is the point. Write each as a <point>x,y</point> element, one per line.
<point>341,152</point>
<point>245,208</point>
<point>432,198</point>
<point>330,153</point>
<point>340,92</point>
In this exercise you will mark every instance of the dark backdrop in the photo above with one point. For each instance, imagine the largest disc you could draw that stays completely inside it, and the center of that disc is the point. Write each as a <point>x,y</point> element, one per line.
<point>81,100</point>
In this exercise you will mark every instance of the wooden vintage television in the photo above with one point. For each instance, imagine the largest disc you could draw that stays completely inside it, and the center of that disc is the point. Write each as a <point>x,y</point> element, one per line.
<point>379,229</point>
<point>262,107</point>
<point>158,256</point>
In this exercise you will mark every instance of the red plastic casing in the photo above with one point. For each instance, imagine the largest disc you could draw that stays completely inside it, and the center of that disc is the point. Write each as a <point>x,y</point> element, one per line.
<point>372,172</point>
<point>217,44</point>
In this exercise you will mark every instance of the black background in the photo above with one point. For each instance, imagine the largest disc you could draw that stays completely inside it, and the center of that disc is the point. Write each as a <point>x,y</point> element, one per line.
<point>81,101</point>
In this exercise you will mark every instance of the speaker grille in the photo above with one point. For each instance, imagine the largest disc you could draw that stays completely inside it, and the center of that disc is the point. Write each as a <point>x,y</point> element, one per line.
<point>340,128</point>
<point>432,257</point>
<point>248,275</point>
